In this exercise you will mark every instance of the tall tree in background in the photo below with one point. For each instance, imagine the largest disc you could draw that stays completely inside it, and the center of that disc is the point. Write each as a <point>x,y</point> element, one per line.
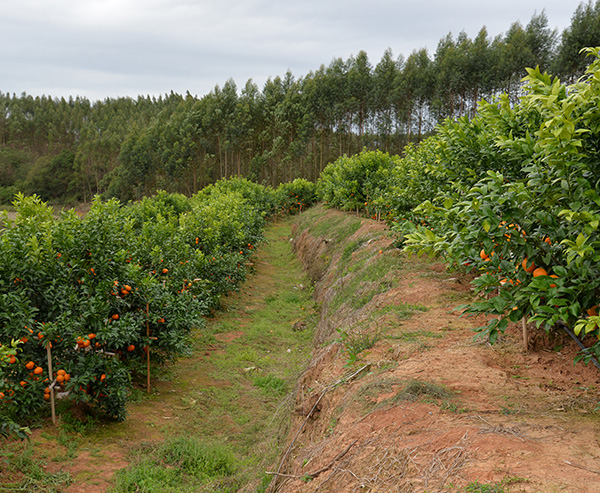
<point>415,91</point>
<point>584,31</point>
<point>383,97</point>
<point>292,128</point>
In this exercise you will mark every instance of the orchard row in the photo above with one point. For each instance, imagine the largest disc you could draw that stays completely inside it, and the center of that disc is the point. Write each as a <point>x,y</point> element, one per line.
<point>512,194</point>
<point>98,292</point>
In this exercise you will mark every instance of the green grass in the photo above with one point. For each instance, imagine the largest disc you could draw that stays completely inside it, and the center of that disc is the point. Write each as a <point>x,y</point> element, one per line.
<point>337,228</point>
<point>367,278</point>
<point>270,384</point>
<point>356,343</point>
<point>252,372</point>
<point>409,390</point>
<point>27,474</point>
<point>415,336</point>
<point>497,487</point>
<point>183,464</point>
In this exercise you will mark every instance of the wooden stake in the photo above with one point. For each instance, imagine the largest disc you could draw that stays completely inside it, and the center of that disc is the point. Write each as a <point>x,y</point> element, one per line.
<point>52,409</point>
<point>524,326</point>
<point>148,354</point>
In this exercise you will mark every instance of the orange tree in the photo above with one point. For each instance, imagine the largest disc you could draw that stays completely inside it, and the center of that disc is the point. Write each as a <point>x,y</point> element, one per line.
<point>357,182</point>
<point>295,196</point>
<point>533,232</point>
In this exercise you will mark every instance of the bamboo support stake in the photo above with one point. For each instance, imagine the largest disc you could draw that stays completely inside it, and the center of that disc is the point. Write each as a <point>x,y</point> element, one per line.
<point>524,326</point>
<point>52,409</point>
<point>148,354</point>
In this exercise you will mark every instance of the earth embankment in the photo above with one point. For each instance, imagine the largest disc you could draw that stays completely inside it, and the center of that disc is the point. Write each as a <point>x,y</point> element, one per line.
<point>399,395</point>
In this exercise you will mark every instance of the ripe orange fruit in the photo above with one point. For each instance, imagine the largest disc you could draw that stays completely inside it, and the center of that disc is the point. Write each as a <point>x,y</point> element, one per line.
<point>115,317</point>
<point>538,272</point>
<point>24,340</point>
<point>61,372</point>
<point>91,336</point>
<point>554,276</point>
<point>67,376</point>
<point>1,395</point>
<point>103,376</point>
<point>592,311</point>
<point>12,359</point>
<point>165,270</point>
<point>23,383</point>
<point>131,347</point>
<point>60,378</point>
<point>47,396</point>
<point>527,268</point>
<point>482,254</point>
<point>127,288</point>
<point>39,370</point>
<point>30,365</point>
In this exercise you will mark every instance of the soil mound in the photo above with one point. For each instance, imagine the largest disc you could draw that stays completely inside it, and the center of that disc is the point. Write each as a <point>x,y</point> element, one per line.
<point>400,397</point>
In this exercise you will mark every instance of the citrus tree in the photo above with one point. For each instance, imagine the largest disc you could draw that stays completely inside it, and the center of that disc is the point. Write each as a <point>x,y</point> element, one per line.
<point>532,232</point>
<point>295,196</point>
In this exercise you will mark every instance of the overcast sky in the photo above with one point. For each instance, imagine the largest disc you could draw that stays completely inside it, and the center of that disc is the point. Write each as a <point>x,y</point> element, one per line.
<point>110,48</point>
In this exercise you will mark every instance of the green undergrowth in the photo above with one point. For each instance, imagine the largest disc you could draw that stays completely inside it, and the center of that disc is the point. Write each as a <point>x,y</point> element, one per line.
<point>181,464</point>
<point>336,228</point>
<point>251,355</point>
<point>22,472</point>
<point>365,267</point>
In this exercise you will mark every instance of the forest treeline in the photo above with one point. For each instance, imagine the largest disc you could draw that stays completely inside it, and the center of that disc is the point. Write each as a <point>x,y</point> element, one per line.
<point>71,149</point>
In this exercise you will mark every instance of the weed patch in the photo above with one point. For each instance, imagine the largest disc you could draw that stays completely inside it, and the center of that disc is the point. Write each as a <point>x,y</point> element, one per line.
<point>181,464</point>
<point>271,384</point>
<point>355,343</point>
<point>418,389</point>
<point>27,474</point>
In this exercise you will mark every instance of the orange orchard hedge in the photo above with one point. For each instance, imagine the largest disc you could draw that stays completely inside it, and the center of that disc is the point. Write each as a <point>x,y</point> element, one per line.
<point>517,182</point>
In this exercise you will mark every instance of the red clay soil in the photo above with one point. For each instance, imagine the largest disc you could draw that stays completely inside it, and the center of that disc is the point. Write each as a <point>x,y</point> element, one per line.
<point>480,416</point>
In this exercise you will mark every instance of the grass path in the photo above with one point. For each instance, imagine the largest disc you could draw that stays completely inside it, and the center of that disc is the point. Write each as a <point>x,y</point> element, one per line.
<point>214,420</point>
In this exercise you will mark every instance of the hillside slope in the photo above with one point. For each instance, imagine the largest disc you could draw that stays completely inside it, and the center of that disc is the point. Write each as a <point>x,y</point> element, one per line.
<point>400,397</point>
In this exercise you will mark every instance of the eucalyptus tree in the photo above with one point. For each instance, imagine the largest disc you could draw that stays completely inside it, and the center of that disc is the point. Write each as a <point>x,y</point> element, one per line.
<point>415,92</point>
<point>584,31</point>
<point>541,41</point>
<point>384,85</point>
<point>481,68</point>
<point>338,89</point>
<point>360,90</point>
